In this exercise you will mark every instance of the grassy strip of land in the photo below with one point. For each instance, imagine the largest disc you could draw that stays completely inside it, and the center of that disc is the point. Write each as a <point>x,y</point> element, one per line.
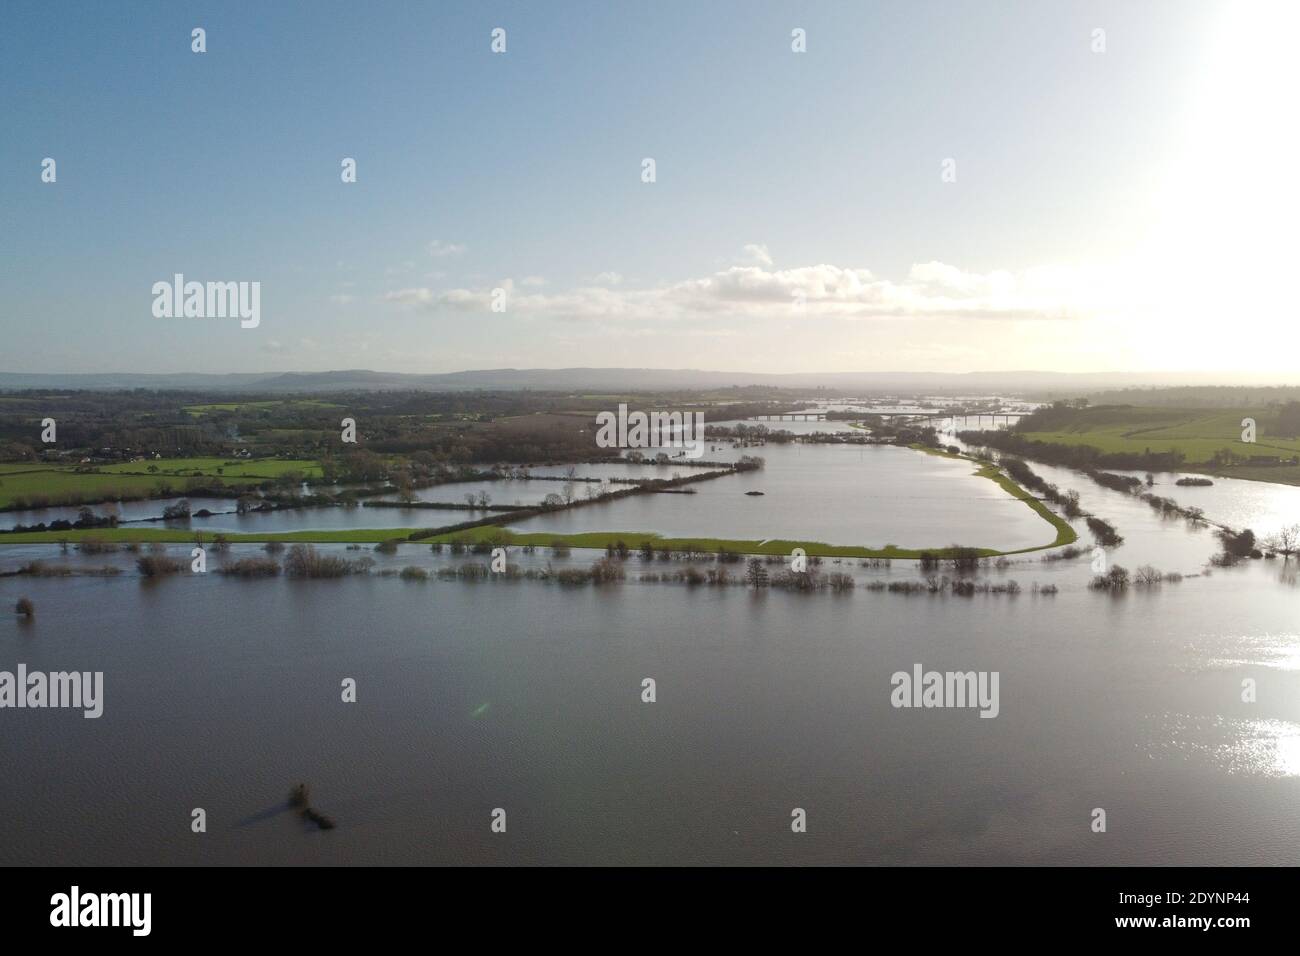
<point>633,539</point>
<point>987,469</point>
<point>490,533</point>
<point>1064,533</point>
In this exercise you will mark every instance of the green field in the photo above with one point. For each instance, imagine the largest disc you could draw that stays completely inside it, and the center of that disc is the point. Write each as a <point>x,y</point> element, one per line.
<point>18,467</point>
<point>67,486</point>
<point>1197,434</point>
<point>264,468</point>
<point>288,405</point>
<point>62,484</point>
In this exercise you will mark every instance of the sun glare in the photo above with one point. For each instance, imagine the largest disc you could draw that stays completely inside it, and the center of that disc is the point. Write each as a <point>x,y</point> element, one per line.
<point>1211,288</point>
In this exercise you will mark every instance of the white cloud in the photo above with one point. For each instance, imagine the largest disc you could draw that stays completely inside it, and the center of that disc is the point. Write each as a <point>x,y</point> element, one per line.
<point>441,250</point>
<point>929,290</point>
<point>410,296</point>
<point>756,254</point>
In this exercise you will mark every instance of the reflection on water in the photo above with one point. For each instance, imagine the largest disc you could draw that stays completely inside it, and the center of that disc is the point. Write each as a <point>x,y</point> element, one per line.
<point>1257,505</point>
<point>1280,650</point>
<point>1260,748</point>
<point>124,510</point>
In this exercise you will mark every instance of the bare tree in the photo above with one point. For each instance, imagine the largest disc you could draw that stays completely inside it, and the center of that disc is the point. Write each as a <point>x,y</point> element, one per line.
<point>1070,504</point>
<point>1147,576</point>
<point>1286,541</point>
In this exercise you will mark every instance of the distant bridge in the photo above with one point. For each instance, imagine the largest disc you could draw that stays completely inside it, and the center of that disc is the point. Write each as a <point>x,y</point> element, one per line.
<point>979,419</point>
<point>801,417</point>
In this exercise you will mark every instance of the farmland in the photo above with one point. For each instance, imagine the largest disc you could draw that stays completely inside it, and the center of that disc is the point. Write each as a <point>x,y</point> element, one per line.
<point>1198,435</point>
<point>39,484</point>
<point>1126,436</point>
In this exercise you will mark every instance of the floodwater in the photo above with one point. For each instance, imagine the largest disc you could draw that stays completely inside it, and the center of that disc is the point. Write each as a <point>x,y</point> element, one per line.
<point>130,511</point>
<point>526,696</point>
<point>869,495</point>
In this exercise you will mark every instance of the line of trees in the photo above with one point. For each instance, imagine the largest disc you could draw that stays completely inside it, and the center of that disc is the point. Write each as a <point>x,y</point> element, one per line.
<point>1081,457</point>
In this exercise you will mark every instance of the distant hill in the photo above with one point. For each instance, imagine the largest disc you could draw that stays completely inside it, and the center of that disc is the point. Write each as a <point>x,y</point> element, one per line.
<point>623,379</point>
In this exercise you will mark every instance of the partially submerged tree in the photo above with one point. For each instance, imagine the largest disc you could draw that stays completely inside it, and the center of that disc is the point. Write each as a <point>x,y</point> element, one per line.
<point>1285,541</point>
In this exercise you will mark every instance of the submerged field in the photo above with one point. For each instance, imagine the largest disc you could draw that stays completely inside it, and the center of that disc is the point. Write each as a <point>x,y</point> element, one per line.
<point>880,502</point>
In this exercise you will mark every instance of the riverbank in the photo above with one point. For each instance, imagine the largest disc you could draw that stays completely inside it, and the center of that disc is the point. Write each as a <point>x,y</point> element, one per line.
<point>987,469</point>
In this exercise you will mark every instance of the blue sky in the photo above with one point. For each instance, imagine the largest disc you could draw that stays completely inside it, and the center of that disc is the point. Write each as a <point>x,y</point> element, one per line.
<point>799,220</point>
